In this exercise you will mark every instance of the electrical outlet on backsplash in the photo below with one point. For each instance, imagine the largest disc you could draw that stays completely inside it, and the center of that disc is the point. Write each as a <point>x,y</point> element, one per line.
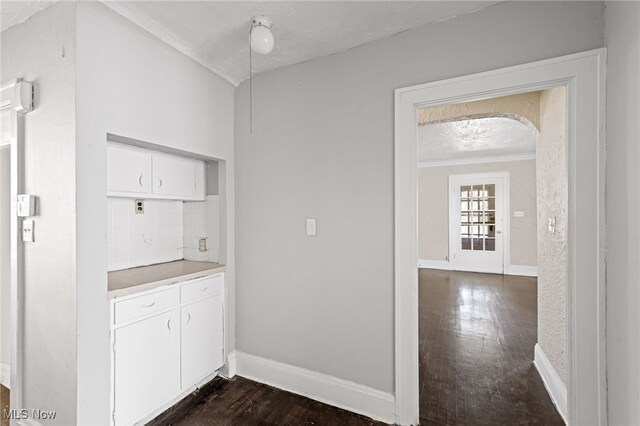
<point>167,230</point>
<point>201,220</point>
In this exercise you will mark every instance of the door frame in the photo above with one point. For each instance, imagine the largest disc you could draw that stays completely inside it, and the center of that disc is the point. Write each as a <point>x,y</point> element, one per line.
<point>16,96</point>
<point>583,75</point>
<point>506,224</point>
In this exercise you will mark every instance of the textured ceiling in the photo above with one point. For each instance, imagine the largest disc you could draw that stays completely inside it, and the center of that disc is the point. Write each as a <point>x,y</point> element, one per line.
<point>526,105</point>
<point>475,138</point>
<point>215,33</point>
<point>16,12</point>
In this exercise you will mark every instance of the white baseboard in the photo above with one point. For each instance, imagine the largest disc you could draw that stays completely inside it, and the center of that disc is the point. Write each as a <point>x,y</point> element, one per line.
<point>522,270</point>
<point>554,384</point>
<point>434,264</point>
<point>445,265</point>
<point>324,388</point>
<point>5,375</point>
<point>231,369</point>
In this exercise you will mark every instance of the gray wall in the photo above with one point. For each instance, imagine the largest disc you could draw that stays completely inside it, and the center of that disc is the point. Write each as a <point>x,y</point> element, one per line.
<point>322,146</point>
<point>622,26</point>
<point>211,173</point>
<point>43,50</point>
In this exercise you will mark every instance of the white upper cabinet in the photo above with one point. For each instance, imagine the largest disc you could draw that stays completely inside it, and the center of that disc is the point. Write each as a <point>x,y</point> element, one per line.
<point>177,177</point>
<point>139,173</point>
<point>128,171</point>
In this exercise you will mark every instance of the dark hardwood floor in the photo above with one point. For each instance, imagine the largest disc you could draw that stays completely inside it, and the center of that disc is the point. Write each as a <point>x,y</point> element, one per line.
<point>240,401</point>
<point>477,333</point>
<point>4,405</point>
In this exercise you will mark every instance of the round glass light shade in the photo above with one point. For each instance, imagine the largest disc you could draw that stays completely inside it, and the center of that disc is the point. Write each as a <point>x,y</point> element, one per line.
<point>262,40</point>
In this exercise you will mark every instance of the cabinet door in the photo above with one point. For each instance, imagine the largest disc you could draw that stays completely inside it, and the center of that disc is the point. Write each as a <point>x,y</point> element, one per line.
<point>177,177</point>
<point>128,171</point>
<point>202,339</point>
<point>146,366</point>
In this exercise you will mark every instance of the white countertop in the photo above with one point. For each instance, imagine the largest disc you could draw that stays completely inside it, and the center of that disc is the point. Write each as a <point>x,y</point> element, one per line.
<point>136,280</point>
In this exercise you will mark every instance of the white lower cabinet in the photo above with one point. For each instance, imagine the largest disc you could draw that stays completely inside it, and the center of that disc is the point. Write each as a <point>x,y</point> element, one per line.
<point>202,338</point>
<point>146,366</point>
<point>163,347</point>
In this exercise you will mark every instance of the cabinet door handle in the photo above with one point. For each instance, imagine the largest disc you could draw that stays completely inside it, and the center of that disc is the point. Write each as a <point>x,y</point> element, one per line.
<point>149,305</point>
<point>169,324</point>
<point>160,181</point>
<point>140,180</point>
<point>188,317</point>
<point>204,288</point>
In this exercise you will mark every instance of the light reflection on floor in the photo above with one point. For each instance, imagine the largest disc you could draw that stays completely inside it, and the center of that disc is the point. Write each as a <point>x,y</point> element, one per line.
<point>477,334</point>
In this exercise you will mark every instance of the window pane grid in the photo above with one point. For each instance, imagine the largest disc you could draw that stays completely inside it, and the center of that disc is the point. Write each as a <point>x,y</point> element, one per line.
<point>478,217</point>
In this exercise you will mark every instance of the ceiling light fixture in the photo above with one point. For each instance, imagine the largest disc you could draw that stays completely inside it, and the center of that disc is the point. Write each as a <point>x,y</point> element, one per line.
<point>261,41</point>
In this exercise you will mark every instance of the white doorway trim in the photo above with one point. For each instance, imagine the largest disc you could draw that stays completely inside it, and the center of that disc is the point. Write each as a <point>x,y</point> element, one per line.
<point>583,75</point>
<point>16,97</point>
<point>505,225</point>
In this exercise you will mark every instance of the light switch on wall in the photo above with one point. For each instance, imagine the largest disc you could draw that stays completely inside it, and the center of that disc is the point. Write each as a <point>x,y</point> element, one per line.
<point>311,227</point>
<point>551,225</point>
<point>27,231</point>
<point>518,214</point>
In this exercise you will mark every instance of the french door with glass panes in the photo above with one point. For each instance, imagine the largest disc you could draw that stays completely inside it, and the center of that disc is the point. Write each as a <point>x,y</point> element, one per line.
<point>476,218</point>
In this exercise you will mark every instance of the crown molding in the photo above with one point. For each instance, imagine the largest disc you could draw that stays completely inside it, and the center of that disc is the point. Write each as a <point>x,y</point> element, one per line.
<point>465,161</point>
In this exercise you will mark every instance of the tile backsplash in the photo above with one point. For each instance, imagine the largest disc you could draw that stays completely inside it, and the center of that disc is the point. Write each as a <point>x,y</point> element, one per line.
<point>201,220</point>
<point>167,230</point>
<point>143,239</point>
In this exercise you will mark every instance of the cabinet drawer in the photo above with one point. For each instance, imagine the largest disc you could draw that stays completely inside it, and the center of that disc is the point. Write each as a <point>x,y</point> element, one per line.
<point>202,288</point>
<point>144,305</point>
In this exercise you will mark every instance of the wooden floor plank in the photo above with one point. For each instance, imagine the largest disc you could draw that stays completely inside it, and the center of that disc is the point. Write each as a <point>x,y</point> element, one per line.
<point>477,334</point>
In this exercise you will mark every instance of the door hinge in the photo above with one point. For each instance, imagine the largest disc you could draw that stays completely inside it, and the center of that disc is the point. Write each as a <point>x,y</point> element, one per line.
<point>113,346</point>
<point>113,416</point>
